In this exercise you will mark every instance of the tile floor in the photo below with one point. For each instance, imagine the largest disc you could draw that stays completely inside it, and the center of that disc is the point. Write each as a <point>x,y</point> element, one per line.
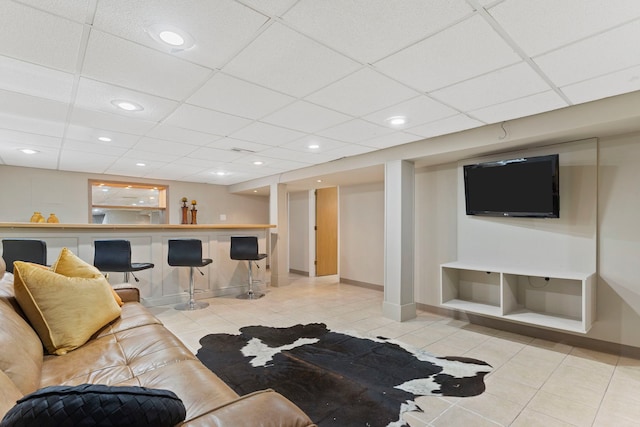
<point>534,382</point>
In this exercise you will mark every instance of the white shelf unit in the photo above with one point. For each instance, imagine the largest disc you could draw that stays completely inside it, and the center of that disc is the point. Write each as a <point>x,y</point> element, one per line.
<point>559,300</point>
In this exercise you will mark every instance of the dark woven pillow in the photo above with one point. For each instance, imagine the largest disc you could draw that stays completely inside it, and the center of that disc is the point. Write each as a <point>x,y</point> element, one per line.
<point>96,405</point>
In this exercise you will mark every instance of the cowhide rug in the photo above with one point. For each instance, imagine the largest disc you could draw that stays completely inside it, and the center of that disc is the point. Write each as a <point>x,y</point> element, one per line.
<point>336,378</point>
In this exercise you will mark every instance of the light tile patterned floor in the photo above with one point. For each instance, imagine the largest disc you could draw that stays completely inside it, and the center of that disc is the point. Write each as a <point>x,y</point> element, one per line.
<point>534,382</point>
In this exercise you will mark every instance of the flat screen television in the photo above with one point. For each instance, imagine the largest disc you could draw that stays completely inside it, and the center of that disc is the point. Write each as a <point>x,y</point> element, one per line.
<point>521,187</point>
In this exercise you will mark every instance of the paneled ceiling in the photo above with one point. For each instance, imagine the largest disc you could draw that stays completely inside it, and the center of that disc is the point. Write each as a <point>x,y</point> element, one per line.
<point>289,83</point>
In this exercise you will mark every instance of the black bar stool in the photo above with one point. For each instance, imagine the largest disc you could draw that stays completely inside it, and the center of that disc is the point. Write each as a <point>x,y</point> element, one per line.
<point>188,253</point>
<point>115,256</point>
<point>23,250</point>
<point>245,248</point>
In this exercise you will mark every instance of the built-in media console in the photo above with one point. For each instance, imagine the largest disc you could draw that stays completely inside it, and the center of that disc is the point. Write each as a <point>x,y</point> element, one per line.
<point>558,300</point>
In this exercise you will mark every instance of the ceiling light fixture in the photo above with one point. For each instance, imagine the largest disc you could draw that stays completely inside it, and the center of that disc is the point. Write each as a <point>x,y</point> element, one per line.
<point>104,139</point>
<point>220,173</point>
<point>258,163</point>
<point>127,105</point>
<point>29,151</point>
<point>141,164</point>
<point>313,146</point>
<point>397,120</point>
<point>170,36</point>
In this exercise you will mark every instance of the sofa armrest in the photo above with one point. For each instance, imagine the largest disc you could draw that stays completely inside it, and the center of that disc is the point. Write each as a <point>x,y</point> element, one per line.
<point>127,292</point>
<point>264,408</point>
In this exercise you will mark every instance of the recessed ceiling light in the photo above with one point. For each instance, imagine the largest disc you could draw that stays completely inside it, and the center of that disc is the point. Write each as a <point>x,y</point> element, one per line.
<point>127,105</point>
<point>220,173</point>
<point>170,36</point>
<point>29,151</point>
<point>318,180</point>
<point>255,191</point>
<point>104,139</point>
<point>141,164</point>
<point>258,163</point>
<point>396,120</point>
<point>313,146</point>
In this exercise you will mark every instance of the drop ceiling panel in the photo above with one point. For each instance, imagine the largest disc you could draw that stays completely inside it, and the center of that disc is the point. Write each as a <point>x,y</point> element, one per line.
<point>97,96</point>
<point>368,30</point>
<point>234,96</point>
<point>173,149</point>
<point>390,140</point>
<point>19,139</point>
<point>526,106</point>
<point>120,62</point>
<point>361,93</point>
<point>355,131</point>
<point>421,109</point>
<point>76,10</point>
<point>178,134</point>
<point>149,157</point>
<point>220,28</point>
<point>515,81</point>
<point>238,144</point>
<point>55,44</point>
<point>268,134</point>
<point>204,120</point>
<point>31,79</point>
<point>79,161</point>
<point>51,114</point>
<point>348,150</point>
<point>31,124</point>
<point>306,117</point>
<point>47,158</point>
<point>289,62</point>
<point>324,144</point>
<point>594,56</point>
<point>99,148</point>
<point>543,25</point>
<point>452,124</point>
<point>271,7</point>
<point>627,80</point>
<point>90,135</point>
<point>214,154</point>
<point>460,52</point>
<point>282,154</point>
<point>114,122</point>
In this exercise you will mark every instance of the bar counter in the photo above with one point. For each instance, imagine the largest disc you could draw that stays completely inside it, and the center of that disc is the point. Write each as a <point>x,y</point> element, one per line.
<point>162,284</point>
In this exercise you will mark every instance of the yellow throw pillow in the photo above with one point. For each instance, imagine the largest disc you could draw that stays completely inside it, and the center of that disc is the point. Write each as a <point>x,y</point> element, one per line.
<point>70,265</point>
<point>64,311</point>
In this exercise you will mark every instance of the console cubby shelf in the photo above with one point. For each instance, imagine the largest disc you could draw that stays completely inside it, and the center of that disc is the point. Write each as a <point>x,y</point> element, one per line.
<point>563,300</point>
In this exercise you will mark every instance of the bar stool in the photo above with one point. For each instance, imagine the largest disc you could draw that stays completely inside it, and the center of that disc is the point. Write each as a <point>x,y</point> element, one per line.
<point>115,256</point>
<point>245,248</point>
<point>23,250</point>
<point>188,253</point>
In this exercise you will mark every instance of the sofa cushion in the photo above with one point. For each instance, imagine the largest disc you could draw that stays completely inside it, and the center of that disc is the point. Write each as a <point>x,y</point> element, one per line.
<point>64,311</point>
<point>70,265</point>
<point>9,393</point>
<point>21,349</point>
<point>96,404</point>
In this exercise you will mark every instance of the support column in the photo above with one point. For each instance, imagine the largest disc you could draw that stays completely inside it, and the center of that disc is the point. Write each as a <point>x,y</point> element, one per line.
<point>399,302</point>
<point>279,215</point>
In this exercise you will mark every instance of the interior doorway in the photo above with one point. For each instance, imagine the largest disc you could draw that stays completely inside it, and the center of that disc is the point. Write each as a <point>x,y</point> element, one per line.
<point>326,231</point>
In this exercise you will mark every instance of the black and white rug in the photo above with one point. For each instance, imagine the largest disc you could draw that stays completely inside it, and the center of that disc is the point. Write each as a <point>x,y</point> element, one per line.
<point>338,379</point>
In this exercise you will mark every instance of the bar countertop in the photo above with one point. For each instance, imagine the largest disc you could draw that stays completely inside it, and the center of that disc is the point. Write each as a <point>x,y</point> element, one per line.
<point>61,226</point>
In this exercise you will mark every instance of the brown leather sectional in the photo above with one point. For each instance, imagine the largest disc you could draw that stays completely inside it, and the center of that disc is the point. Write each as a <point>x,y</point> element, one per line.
<point>135,349</point>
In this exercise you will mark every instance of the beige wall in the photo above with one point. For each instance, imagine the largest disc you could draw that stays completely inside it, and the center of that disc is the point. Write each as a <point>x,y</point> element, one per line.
<point>299,227</point>
<point>362,233</point>
<point>25,190</point>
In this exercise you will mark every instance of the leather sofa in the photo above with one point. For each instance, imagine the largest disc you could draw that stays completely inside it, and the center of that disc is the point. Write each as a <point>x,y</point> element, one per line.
<point>134,350</point>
